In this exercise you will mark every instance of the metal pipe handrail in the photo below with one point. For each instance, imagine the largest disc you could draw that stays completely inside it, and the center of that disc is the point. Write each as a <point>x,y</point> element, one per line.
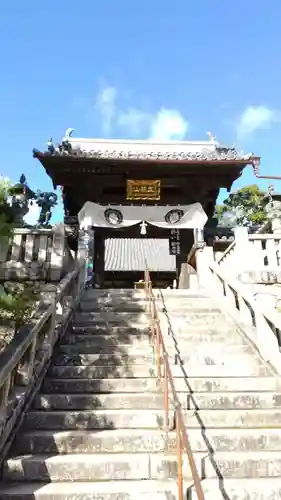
<point>162,360</point>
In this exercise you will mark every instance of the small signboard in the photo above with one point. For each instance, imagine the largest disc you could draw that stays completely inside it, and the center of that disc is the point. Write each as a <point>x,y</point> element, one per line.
<point>174,242</point>
<point>143,190</point>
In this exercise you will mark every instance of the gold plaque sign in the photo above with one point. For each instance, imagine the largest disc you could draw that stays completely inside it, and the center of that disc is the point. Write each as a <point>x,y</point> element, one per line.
<point>143,190</point>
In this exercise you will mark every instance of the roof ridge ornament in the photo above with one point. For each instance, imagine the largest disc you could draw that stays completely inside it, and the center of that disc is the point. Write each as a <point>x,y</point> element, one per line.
<point>211,136</point>
<point>68,134</point>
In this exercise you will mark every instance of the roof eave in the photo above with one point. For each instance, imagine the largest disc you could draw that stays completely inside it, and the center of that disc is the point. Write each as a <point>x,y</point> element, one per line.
<point>253,160</point>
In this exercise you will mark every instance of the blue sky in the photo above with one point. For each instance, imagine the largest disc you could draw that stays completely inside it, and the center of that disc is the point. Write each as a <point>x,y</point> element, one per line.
<point>138,70</point>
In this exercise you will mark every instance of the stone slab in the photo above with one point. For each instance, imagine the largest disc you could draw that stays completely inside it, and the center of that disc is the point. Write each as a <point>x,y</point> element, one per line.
<point>140,371</point>
<point>145,441</point>
<point>236,489</point>
<point>95,419</point>
<point>133,385</point>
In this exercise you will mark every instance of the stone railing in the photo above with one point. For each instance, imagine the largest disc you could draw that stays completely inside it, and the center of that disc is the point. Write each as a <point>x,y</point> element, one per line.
<point>25,360</point>
<point>254,258</point>
<point>260,324</point>
<point>31,254</point>
<point>222,257</point>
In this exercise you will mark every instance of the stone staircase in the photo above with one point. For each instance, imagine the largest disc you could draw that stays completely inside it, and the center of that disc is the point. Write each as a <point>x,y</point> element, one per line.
<point>94,431</point>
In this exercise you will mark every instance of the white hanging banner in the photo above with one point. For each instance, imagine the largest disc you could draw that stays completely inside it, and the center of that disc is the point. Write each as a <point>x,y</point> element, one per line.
<point>168,217</point>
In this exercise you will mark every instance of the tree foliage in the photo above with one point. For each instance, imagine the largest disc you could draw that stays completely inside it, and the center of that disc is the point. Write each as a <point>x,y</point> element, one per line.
<point>6,213</point>
<point>244,207</point>
<point>18,303</point>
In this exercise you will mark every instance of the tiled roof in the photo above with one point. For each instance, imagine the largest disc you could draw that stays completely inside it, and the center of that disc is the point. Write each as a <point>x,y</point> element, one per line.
<point>129,254</point>
<point>146,150</point>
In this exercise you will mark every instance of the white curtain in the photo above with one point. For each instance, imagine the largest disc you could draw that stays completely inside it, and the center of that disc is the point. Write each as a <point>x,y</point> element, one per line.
<point>170,217</point>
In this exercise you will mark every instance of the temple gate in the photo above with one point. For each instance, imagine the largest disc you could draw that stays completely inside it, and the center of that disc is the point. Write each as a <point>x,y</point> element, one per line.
<point>160,182</point>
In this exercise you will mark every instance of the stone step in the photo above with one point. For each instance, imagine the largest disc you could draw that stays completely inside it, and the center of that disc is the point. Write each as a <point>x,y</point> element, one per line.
<point>140,371</point>
<point>140,297</point>
<point>139,466</point>
<point>114,299</point>
<point>239,489</point>
<point>103,371</point>
<point>154,401</point>
<point>184,349</point>
<point>118,358</point>
<point>93,347</point>
<point>140,349</point>
<point>189,361</point>
<point>135,319</point>
<point>141,330</point>
<point>242,465</point>
<point>140,303</point>
<point>181,293</point>
<point>234,400</point>
<point>189,337</point>
<point>94,293</point>
<point>118,318</point>
<point>125,306</point>
<point>113,307</point>
<point>95,419</point>
<point>176,307</point>
<point>194,384</point>
<point>236,489</point>
<point>121,332</point>
<point>183,323</point>
<point>241,418</point>
<point>108,490</point>
<point>145,441</point>
<point>150,419</point>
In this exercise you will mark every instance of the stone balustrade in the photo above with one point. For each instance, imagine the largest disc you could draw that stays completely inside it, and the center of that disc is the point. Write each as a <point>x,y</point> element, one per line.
<point>253,258</point>
<point>259,322</point>
<point>25,360</point>
<point>35,254</point>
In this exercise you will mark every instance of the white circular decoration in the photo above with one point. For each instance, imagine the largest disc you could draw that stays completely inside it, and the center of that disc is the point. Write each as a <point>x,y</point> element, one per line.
<point>174,216</point>
<point>113,216</point>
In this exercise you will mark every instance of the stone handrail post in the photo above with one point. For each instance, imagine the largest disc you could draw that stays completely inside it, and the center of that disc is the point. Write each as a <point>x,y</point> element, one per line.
<point>204,256</point>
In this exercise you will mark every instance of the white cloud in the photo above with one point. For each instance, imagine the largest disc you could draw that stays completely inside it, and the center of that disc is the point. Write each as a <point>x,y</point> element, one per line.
<point>106,106</point>
<point>163,125</point>
<point>33,214</point>
<point>255,118</point>
<point>134,121</point>
<point>168,124</point>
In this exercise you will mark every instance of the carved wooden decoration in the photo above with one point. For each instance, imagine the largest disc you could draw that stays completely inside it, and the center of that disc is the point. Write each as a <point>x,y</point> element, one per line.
<point>143,190</point>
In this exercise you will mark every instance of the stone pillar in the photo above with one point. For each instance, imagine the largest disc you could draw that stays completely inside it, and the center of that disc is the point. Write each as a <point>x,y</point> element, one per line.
<point>184,270</point>
<point>244,257</point>
<point>204,256</point>
<point>241,236</point>
<point>82,251</point>
<point>273,208</point>
<point>99,260</point>
<point>58,250</point>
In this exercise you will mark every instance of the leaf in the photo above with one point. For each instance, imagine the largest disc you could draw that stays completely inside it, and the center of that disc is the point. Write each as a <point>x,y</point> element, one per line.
<point>246,206</point>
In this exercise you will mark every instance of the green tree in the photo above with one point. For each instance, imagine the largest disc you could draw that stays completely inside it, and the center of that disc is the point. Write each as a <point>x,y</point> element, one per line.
<point>244,207</point>
<point>6,212</point>
<point>17,303</point>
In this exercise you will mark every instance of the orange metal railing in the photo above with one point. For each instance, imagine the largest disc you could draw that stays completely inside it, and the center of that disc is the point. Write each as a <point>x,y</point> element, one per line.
<point>164,374</point>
